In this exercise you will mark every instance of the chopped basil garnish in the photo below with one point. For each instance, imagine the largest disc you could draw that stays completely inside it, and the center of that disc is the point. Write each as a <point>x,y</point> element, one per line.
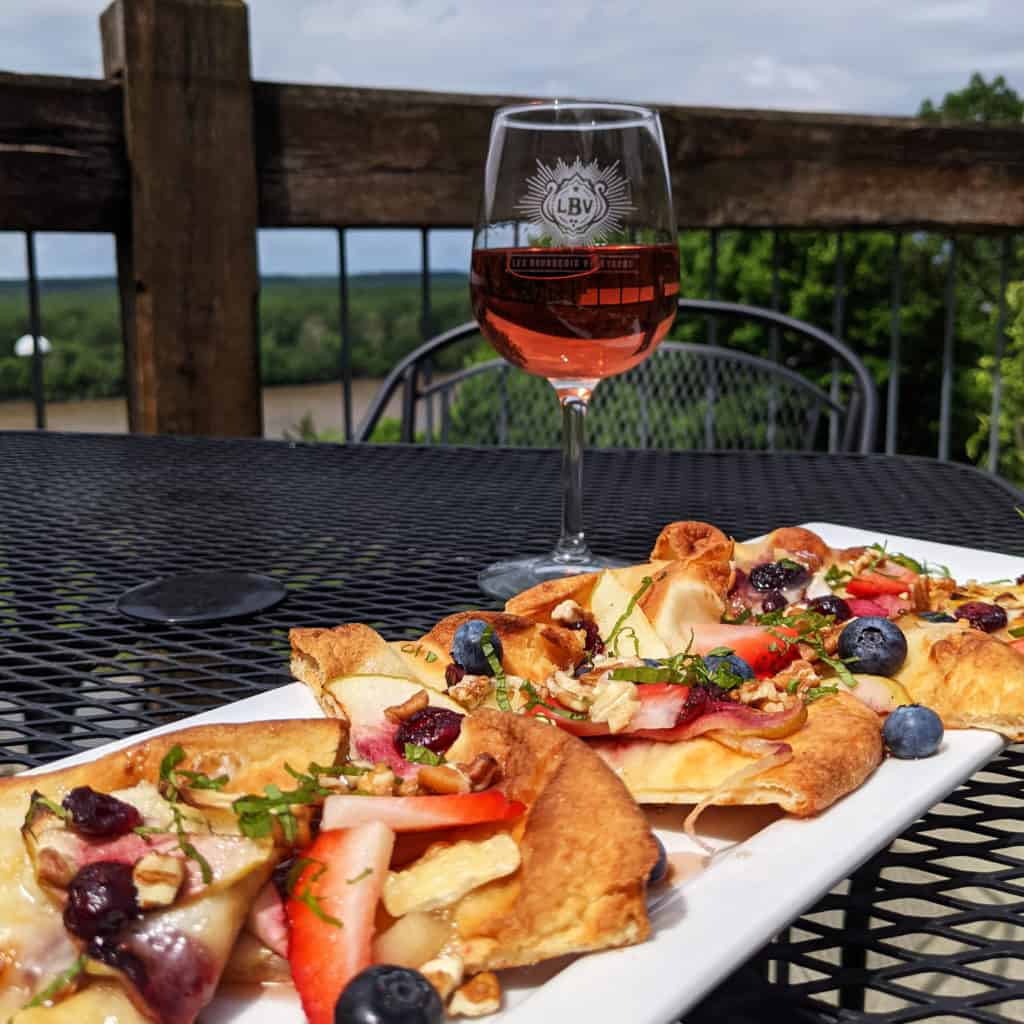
<point>58,984</point>
<point>365,873</point>
<point>307,896</point>
<point>627,633</point>
<point>1016,632</point>
<point>739,619</point>
<point>500,682</point>
<point>837,578</point>
<point>788,563</point>
<point>430,656</point>
<point>38,800</point>
<point>197,780</point>
<point>256,814</point>
<point>645,585</point>
<point>535,700</point>
<point>170,761</point>
<point>421,755</point>
<point>205,871</point>
<point>815,692</point>
<point>171,774</point>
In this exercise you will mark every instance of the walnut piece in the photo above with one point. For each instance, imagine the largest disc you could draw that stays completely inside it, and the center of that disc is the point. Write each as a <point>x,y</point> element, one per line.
<point>571,693</point>
<point>471,691</point>
<point>480,996</point>
<point>568,613</point>
<point>483,772</point>
<point>400,712</point>
<point>157,878</point>
<point>378,781</point>
<point>442,778</point>
<point>445,973</point>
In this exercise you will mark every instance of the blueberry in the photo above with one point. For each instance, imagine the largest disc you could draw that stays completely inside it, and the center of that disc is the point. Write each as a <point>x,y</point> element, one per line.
<point>936,617</point>
<point>831,604</point>
<point>777,575</point>
<point>912,731</point>
<point>873,645</point>
<point>731,662</point>
<point>389,995</point>
<point>982,615</point>
<point>660,869</point>
<point>467,651</point>
<point>774,601</point>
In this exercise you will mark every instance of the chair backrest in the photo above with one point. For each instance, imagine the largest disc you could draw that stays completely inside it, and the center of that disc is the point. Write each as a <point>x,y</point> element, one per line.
<point>692,396</point>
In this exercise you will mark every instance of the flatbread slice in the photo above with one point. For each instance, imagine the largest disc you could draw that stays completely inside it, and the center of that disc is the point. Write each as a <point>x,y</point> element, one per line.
<point>971,679</point>
<point>833,753</point>
<point>586,851</point>
<point>35,947</point>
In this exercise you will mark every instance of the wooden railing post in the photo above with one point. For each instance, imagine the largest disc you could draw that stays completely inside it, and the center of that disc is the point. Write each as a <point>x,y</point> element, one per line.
<point>187,248</point>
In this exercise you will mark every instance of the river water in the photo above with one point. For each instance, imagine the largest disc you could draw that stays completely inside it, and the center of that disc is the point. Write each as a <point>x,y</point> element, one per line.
<point>283,408</point>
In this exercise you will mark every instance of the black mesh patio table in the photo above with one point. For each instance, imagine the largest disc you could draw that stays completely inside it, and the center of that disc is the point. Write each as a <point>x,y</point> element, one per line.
<point>393,536</point>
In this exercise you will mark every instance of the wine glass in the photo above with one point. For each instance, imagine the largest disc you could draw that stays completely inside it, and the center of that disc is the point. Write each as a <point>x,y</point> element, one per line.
<point>574,275</point>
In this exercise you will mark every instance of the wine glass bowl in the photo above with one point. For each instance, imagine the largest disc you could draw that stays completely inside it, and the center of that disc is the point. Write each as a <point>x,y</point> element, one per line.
<point>574,274</point>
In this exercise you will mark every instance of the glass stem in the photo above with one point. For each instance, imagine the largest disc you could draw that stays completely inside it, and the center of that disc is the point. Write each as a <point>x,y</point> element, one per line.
<point>572,544</point>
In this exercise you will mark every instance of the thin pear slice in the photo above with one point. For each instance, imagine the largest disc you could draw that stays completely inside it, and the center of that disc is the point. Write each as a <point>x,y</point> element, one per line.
<point>636,636</point>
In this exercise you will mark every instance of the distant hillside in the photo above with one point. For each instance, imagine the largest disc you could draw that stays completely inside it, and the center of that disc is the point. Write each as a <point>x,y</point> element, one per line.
<point>299,328</point>
<point>384,279</point>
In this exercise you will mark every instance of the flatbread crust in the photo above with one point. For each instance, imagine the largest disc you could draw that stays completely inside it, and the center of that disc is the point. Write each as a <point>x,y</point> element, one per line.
<point>322,655</point>
<point>834,752</point>
<point>531,649</point>
<point>586,851</point>
<point>970,679</point>
<point>540,601</point>
<point>693,541</point>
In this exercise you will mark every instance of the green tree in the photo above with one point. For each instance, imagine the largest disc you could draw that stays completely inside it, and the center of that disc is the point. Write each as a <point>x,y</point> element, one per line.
<point>1011,411</point>
<point>988,102</point>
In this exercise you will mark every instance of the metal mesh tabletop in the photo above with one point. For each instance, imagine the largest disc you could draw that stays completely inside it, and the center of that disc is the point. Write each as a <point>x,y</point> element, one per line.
<point>393,536</point>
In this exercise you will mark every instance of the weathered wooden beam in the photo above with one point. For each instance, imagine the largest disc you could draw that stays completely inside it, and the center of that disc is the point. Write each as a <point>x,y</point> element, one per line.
<point>336,155</point>
<point>187,262</point>
<point>372,156</point>
<point>62,160</point>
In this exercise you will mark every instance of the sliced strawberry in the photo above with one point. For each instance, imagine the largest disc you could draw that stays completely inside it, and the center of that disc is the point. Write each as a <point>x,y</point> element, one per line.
<point>420,813</point>
<point>763,648</point>
<point>862,606</point>
<point>331,944</point>
<point>888,579</point>
<point>893,604</point>
<point>660,704</point>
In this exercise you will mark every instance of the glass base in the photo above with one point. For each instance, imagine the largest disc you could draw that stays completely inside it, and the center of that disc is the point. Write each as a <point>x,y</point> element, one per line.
<point>514,575</point>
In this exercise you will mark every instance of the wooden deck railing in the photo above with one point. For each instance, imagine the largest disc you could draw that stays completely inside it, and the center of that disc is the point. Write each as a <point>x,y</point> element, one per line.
<point>182,156</point>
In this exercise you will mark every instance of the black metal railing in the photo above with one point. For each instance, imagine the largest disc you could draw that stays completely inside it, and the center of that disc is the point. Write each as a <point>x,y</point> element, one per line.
<point>713,289</point>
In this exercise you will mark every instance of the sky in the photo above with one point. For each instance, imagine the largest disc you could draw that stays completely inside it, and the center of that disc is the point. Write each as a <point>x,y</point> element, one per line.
<point>854,56</point>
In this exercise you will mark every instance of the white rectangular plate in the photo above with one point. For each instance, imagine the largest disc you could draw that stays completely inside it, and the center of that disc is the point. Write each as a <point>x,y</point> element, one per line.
<point>710,924</point>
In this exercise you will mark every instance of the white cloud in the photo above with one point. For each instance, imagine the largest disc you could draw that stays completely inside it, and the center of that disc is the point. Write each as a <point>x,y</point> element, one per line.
<point>866,56</point>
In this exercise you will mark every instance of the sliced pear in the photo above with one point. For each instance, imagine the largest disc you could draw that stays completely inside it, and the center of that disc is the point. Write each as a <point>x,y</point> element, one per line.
<point>608,604</point>
<point>679,597</point>
<point>880,693</point>
<point>423,662</point>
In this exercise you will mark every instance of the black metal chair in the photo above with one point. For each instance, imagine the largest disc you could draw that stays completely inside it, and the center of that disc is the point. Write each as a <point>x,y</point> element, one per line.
<point>686,396</point>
